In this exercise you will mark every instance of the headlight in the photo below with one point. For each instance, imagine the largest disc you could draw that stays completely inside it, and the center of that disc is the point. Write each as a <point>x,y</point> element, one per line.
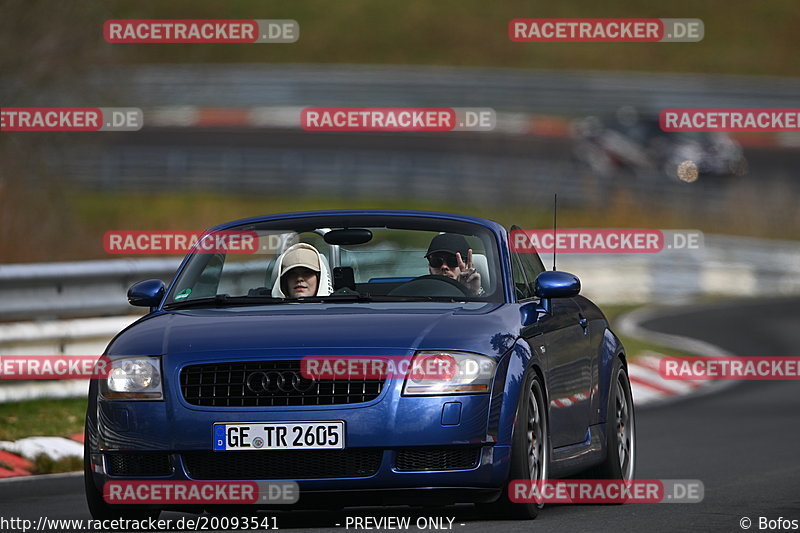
<point>134,378</point>
<point>436,373</point>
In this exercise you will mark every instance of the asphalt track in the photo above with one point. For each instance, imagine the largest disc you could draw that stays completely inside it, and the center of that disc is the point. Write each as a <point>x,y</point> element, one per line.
<point>742,443</point>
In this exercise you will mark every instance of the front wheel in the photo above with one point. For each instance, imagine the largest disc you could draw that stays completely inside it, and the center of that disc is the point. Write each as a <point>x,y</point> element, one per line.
<point>530,451</point>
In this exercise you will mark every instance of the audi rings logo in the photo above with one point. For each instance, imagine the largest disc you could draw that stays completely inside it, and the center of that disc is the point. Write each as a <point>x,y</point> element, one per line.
<point>272,381</point>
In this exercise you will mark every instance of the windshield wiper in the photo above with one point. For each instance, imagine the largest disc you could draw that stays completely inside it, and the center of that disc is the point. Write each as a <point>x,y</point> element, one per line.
<point>447,299</point>
<point>366,298</point>
<point>221,300</point>
<point>333,298</point>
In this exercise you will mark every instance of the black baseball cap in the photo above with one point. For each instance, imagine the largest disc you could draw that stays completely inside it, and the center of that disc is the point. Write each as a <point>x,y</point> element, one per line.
<point>449,242</point>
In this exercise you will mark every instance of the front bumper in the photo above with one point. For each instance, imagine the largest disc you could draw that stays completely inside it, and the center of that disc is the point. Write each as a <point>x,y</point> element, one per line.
<point>489,473</point>
<point>390,425</point>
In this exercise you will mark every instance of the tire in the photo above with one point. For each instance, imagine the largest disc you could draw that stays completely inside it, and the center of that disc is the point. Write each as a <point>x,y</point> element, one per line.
<point>620,461</point>
<point>98,508</point>
<point>530,451</point>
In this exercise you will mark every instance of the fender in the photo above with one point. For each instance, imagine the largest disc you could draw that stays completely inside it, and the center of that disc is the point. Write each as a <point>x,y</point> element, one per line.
<point>610,348</point>
<point>517,362</point>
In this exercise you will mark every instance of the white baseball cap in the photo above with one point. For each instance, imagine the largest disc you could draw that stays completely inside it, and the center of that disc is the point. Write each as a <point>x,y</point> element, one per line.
<point>300,257</point>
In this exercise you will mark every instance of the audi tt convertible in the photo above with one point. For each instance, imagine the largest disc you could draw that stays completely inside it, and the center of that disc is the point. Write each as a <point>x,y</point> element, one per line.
<point>250,365</point>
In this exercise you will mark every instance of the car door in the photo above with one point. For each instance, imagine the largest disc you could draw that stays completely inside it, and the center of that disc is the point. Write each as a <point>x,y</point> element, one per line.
<point>569,376</point>
<point>563,346</point>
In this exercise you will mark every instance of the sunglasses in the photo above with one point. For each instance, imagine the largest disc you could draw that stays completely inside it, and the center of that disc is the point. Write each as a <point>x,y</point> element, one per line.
<point>436,261</point>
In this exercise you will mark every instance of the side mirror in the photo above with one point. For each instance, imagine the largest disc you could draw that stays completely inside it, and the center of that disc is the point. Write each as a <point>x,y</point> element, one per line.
<point>555,284</point>
<point>549,284</point>
<point>147,293</point>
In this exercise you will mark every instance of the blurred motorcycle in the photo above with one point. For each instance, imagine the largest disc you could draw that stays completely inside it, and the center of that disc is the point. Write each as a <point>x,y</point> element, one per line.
<point>634,143</point>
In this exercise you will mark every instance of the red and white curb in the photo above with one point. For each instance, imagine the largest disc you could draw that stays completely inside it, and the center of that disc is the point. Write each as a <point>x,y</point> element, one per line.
<point>647,384</point>
<point>16,457</point>
<point>12,465</point>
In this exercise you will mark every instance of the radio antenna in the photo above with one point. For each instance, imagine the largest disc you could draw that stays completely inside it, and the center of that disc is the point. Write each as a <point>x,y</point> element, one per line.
<point>555,236</point>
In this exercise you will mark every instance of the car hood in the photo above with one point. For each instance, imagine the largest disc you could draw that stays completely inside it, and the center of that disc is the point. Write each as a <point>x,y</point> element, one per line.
<point>303,329</point>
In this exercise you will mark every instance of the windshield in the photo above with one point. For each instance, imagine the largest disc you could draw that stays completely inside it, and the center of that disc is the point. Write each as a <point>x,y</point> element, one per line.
<point>295,261</point>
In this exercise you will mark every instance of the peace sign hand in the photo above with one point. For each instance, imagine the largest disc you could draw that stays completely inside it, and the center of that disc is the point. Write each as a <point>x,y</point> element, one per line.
<point>469,275</point>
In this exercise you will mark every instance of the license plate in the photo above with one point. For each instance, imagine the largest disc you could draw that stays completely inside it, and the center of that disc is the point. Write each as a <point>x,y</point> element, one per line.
<point>279,436</point>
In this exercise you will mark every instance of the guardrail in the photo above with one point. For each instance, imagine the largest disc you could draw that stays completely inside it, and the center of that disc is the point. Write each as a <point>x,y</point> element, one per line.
<point>85,336</point>
<point>43,291</point>
<point>724,265</point>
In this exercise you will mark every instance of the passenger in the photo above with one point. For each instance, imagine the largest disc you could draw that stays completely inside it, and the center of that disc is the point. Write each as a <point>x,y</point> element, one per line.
<point>445,257</point>
<point>302,272</point>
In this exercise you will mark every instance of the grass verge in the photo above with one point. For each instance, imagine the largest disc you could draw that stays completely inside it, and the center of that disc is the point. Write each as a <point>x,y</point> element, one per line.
<point>48,417</point>
<point>44,464</point>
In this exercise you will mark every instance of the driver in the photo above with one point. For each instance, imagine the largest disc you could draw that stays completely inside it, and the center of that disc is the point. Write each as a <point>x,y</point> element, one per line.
<point>445,257</point>
<point>301,272</point>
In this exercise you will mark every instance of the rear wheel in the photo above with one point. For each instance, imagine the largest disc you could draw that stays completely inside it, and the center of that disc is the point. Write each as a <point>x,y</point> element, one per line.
<point>620,462</point>
<point>530,451</point>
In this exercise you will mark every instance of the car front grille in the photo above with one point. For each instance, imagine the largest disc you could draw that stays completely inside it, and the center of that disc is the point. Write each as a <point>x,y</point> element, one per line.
<point>283,464</point>
<point>269,384</point>
<point>450,458</point>
<point>138,464</point>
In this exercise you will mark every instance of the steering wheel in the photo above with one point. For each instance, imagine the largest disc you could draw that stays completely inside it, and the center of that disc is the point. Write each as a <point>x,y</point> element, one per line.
<point>431,285</point>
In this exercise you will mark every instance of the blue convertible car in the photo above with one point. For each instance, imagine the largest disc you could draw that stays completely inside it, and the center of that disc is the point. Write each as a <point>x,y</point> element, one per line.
<point>214,382</point>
